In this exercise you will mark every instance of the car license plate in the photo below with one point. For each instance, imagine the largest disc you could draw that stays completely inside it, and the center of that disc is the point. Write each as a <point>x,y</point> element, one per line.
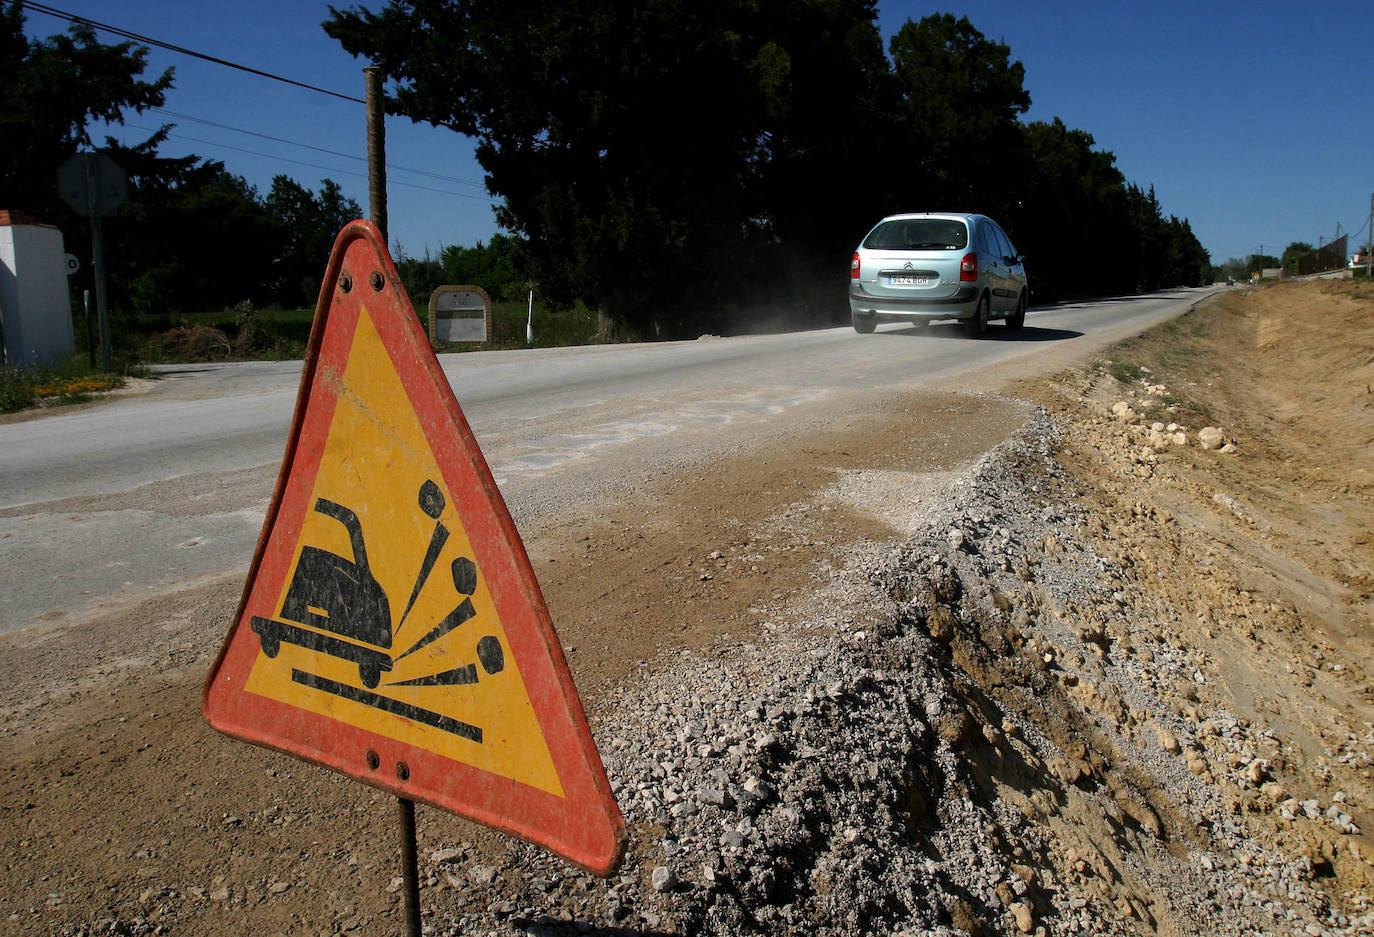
<point>907,280</point>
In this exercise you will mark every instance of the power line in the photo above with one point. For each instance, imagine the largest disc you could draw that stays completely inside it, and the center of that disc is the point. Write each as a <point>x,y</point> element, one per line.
<point>311,146</point>
<point>136,37</point>
<point>330,169</point>
<point>171,47</point>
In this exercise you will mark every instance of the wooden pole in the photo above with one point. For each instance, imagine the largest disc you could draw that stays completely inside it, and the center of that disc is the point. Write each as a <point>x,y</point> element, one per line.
<point>376,149</point>
<point>98,265</point>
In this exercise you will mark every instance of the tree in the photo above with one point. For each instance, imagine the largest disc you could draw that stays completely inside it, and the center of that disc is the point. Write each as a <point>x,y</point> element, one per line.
<point>497,267</point>
<point>822,62</point>
<point>637,147</point>
<point>961,96</point>
<point>1071,194</point>
<point>155,268</point>
<point>1293,253</point>
<point>54,89</point>
<point>672,162</point>
<point>1186,262</point>
<point>1234,268</point>
<point>308,222</point>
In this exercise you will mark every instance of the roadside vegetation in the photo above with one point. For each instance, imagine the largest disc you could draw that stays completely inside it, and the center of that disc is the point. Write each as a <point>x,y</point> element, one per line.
<point>744,207</point>
<point>282,334</point>
<point>73,381</point>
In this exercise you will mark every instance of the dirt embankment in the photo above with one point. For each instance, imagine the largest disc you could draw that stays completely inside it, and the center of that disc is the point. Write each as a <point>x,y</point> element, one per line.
<point>1102,680</point>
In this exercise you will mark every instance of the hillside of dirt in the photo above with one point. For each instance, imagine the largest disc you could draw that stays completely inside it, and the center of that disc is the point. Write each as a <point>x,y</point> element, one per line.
<point>1081,655</point>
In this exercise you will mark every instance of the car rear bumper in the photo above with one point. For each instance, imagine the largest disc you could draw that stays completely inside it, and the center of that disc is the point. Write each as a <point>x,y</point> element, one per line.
<point>961,304</point>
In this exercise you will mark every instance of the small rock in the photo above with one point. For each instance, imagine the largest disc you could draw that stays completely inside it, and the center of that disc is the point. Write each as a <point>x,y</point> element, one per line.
<point>1274,791</point>
<point>757,788</point>
<point>1167,740</point>
<point>1210,437</point>
<point>663,878</point>
<point>1021,911</point>
<point>711,795</point>
<point>1124,412</point>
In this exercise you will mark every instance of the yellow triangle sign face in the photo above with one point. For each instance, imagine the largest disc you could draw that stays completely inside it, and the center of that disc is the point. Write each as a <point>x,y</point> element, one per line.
<point>391,627</point>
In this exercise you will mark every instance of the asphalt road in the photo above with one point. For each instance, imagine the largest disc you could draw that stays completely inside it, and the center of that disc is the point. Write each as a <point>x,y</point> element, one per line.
<point>150,494</point>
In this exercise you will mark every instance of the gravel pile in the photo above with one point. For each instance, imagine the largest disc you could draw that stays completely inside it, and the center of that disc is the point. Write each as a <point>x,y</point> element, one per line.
<point>987,729</point>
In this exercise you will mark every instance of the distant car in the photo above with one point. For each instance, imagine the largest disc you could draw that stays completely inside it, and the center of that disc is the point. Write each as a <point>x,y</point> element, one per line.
<point>922,267</point>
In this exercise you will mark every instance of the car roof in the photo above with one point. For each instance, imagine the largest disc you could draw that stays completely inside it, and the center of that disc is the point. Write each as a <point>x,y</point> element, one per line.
<point>962,215</point>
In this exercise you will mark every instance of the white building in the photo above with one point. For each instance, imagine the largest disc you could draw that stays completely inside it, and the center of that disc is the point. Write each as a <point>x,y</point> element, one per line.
<point>35,309</point>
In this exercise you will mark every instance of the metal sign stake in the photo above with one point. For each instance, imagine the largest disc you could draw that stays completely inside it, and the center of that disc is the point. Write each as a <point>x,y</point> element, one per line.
<point>376,177</point>
<point>410,872</point>
<point>316,626</point>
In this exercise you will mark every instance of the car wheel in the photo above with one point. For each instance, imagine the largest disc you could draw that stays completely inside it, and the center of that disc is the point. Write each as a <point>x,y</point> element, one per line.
<point>1018,318</point>
<point>864,324</point>
<point>976,325</point>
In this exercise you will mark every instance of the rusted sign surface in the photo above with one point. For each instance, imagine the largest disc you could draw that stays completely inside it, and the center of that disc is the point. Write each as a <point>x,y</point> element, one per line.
<point>391,627</point>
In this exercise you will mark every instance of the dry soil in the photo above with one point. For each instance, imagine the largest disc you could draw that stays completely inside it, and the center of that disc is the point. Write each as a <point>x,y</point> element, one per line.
<point>122,812</point>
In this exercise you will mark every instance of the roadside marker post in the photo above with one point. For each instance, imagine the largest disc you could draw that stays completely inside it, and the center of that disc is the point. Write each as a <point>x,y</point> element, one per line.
<point>391,627</point>
<point>459,314</point>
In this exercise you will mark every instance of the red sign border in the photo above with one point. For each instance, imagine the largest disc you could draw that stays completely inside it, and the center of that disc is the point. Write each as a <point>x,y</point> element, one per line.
<point>584,826</point>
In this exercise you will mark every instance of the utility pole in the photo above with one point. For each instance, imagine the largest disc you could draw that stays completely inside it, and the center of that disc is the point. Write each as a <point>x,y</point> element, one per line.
<point>98,263</point>
<point>1369,253</point>
<point>376,149</point>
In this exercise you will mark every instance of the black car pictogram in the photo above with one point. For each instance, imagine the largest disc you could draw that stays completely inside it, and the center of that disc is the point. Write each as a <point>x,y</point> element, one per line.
<point>339,596</point>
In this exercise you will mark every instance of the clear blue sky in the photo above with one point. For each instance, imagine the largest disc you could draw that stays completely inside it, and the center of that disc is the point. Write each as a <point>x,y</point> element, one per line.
<point>1255,121</point>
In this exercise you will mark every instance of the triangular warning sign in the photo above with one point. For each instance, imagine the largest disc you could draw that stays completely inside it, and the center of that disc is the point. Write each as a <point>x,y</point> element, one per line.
<point>391,627</point>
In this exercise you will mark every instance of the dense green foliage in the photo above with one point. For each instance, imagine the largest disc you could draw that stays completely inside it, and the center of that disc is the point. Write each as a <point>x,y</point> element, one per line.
<point>53,89</point>
<point>192,236</point>
<point>495,266</point>
<point>683,166</point>
<point>642,151</point>
<point>673,166</point>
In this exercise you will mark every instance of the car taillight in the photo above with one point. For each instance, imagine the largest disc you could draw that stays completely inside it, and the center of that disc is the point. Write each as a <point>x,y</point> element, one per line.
<point>854,267</point>
<point>968,268</point>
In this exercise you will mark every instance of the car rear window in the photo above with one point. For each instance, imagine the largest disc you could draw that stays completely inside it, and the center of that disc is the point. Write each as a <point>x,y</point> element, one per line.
<point>910,234</point>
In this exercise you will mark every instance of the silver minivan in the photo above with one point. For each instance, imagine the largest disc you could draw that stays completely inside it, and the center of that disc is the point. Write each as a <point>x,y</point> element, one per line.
<point>920,267</point>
